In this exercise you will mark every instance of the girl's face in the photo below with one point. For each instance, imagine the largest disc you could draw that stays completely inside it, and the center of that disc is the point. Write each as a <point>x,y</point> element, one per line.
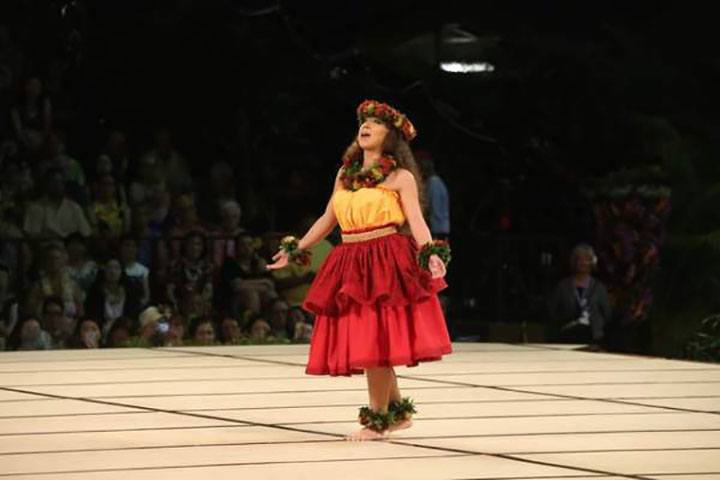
<point>372,133</point>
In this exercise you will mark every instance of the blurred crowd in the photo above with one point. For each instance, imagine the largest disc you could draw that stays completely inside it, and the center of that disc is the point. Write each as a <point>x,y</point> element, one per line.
<point>128,245</point>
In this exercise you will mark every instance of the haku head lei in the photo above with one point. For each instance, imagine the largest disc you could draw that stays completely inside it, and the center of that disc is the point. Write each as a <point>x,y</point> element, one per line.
<point>389,115</point>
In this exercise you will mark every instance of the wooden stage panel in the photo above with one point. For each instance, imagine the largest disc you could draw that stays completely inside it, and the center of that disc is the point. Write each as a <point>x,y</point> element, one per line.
<point>514,411</point>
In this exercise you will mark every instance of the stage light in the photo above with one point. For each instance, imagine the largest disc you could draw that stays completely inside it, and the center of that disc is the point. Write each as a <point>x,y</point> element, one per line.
<point>466,67</point>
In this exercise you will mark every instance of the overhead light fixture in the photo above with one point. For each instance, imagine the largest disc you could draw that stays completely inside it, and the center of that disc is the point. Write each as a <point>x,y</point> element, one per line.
<point>466,67</point>
<point>452,33</point>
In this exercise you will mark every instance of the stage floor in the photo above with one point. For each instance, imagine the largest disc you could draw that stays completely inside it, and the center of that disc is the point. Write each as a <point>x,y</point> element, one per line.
<point>487,411</point>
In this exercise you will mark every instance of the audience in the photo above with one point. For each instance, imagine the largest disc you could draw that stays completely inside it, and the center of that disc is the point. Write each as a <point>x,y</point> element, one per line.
<point>81,268</point>
<point>8,306</point>
<point>107,212</point>
<point>54,281</point>
<point>579,309</point>
<point>112,297</point>
<point>54,214</point>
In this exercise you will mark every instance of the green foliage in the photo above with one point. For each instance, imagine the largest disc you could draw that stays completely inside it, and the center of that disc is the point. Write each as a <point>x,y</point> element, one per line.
<point>705,343</point>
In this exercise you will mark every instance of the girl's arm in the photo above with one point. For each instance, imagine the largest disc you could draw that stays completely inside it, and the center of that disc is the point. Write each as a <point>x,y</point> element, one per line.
<point>323,225</point>
<point>319,230</point>
<point>407,187</point>
<point>409,199</point>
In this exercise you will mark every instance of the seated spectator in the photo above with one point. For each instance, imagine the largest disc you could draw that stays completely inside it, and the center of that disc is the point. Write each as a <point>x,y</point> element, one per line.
<point>54,280</point>
<point>81,268</point>
<point>204,332</point>
<point>56,323</point>
<point>151,251</point>
<point>54,214</point>
<point>278,319</point>
<point>32,116</point>
<point>106,212</point>
<point>147,185</point>
<point>32,336</point>
<point>230,331</point>
<point>260,330</point>
<point>220,190</point>
<point>579,309</point>
<point>170,162</point>
<point>115,160</point>
<point>87,335</point>
<point>53,156</point>
<point>224,246</point>
<point>194,306</point>
<point>120,333</point>
<point>8,307</point>
<point>245,280</point>
<point>137,274</point>
<point>10,236</point>
<point>185,221</point>
<point>192,272</point>
<point>111,298</point>
<point>300,324</point>
<point>154,327</point>
<point>176,334</point>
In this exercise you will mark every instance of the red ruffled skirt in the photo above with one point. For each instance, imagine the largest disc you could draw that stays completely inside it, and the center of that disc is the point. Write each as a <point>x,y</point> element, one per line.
<point>374,307</point>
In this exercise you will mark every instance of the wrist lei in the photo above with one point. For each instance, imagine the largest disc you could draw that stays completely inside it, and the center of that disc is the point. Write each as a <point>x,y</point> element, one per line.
<point>300,256</point>
<point>441,248</point>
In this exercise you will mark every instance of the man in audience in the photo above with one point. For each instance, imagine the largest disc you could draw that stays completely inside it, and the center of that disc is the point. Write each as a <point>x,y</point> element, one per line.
<point>55,215</point>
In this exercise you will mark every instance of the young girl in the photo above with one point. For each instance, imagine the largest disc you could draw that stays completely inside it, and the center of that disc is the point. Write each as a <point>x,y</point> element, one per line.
<point>375,297</point>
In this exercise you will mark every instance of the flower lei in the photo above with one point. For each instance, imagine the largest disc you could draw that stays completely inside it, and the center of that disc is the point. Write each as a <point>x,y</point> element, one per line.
<point>289,245</point>
<point>388,114</point>
<point>353,177</point>
<point>441,248</point>
<point>379,422</point>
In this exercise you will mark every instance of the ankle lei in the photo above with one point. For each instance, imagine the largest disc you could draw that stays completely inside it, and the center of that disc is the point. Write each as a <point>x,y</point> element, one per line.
<point>379,422</point>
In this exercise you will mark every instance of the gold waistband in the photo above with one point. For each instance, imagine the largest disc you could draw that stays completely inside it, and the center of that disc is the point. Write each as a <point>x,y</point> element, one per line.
<point>369,235</point>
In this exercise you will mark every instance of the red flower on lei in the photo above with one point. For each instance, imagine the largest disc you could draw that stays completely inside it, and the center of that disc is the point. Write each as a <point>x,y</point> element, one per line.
<point>353,177</point>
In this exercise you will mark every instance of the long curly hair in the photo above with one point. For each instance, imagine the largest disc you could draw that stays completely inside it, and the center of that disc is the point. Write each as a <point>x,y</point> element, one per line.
<point>395,145</point>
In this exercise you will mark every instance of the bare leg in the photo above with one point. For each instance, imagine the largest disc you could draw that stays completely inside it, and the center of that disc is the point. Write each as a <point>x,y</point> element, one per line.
<point>379,385</point>
<point>396,397</point>
<point>394,390</point>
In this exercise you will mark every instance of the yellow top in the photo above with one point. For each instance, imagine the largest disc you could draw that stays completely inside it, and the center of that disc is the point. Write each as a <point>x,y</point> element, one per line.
<point>367,208</point>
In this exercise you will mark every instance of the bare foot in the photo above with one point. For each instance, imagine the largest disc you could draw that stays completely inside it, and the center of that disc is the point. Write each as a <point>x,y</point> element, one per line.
<point>364,434</point>
<point>401,425</point>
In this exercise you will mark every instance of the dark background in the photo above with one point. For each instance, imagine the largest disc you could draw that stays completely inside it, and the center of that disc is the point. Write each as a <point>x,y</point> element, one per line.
<point>579,90</point>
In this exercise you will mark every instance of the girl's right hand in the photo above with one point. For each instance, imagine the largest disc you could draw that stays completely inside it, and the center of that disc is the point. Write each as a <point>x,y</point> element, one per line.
<point>281,260</point>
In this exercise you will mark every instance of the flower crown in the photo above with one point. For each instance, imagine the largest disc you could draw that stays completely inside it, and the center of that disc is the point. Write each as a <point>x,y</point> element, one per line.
<point>386,113</point>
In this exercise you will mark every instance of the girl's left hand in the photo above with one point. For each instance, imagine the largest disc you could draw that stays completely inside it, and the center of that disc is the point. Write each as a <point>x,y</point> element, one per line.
<point>436,266</point>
